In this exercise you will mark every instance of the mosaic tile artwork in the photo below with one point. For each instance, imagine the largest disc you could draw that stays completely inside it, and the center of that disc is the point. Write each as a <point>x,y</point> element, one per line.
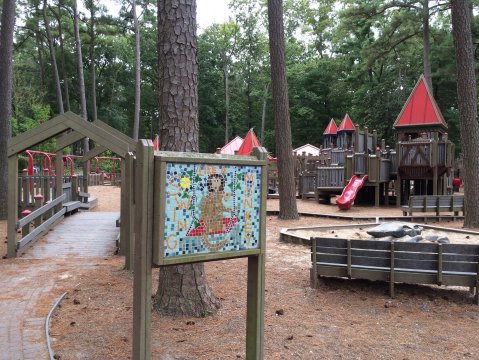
<point>211,208</point>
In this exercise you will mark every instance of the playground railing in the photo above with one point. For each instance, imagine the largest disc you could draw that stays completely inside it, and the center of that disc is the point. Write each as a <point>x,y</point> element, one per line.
<point>43,217</point>
<point>415,153</point>
<point>338,156</point>
<point>30,186</point>
<point>330,176</point>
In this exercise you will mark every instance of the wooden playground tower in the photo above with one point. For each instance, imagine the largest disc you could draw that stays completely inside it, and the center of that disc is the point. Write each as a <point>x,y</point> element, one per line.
<point>346,151</point>
<point>421,163</point>
<point>425,156</point>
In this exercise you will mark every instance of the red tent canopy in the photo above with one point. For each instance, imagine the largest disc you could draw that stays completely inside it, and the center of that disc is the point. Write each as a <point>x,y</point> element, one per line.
<point>331,129</point>
<point>420,109</point>
<point>249,142</point>
<point>231,147</point>
<point>346,124</point>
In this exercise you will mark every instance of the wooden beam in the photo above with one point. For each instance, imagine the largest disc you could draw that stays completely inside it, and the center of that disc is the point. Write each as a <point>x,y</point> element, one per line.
<point>97,134</point>
<point>12,205</point>
<point>37,135</point>
<point>68,139</point>
<point>143,250</point>
<point>132,143</point>
<point>97,150</point>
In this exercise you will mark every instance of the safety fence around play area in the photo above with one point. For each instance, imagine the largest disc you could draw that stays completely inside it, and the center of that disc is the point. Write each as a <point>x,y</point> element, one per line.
<point>31,186</point>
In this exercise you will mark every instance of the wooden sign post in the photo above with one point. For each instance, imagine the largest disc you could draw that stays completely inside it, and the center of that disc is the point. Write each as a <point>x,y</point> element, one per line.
<point>193,207</point>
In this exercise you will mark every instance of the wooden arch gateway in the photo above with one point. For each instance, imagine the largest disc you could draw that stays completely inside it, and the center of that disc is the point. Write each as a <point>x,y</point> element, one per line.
<point>70,128</point>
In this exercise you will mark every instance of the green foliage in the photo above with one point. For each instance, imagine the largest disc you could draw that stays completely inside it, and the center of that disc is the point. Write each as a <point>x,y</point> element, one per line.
<point>356,57</point>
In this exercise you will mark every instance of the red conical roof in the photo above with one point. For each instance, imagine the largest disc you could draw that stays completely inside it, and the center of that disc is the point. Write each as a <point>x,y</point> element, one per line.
<point>420,109</point>
<point>249,142</point>
<point>346,124</point>
<point>331,129</point>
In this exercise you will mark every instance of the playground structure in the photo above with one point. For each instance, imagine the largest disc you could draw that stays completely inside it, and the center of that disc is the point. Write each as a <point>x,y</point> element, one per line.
<point>421,163</point>
<point>43,199</point>
<point>40,180</point>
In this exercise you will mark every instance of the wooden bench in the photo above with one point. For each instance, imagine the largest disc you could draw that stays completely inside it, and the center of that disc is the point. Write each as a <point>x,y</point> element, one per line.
<point>71,206</point>
<point>434,203</point>
<point>396,262</point>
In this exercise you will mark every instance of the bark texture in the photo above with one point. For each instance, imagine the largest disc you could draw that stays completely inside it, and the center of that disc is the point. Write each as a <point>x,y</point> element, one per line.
<point>182,290</point>
<point>53,58</point>
<point>467,101</point>
<point>136,116</point>
<point>63,60</point>
<point>6,83</point>
<point>178,75</point>
<point>94,115</point>
<point>81,78</point>
<point>426,48</point>
<point>284,151</point>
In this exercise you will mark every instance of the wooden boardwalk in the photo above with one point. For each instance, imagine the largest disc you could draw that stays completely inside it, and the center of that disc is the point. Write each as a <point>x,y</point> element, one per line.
<point>30,284</point>
<point>85,234</point>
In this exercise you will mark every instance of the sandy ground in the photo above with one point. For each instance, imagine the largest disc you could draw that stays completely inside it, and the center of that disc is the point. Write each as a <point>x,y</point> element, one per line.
<point>342,319</point>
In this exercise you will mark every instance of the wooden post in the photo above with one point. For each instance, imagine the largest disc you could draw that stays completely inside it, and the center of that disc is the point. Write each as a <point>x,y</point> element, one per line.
<point>127,211</point>
<point>46,188</point>
<point>434,159</point>
<point>59,178</point>
<point>74,188</point>
<point>86,171</point>
<point>256,281</point>
<point>255,308</point>
<point>143,250</point>
<point>12,206</point>
<point>38,204</point>
<point>26,227</point>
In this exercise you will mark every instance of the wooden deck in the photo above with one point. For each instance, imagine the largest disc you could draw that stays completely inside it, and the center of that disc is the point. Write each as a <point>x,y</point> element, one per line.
<point>85,234</point>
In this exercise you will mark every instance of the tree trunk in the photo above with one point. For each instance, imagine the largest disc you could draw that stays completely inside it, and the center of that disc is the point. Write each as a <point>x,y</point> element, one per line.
<point>81,79</point>
<point>63,60</point>
<point>94,115</point>
<point>182,290</point>
<point>263,114</point>
<point>467,101</point>
<point>136,116</point>
<point>426,48</point>
<point>6,83</point>
<point>226,82</point>
<point>53,59</point>
<point>39,42</point>
<point>284,151</point>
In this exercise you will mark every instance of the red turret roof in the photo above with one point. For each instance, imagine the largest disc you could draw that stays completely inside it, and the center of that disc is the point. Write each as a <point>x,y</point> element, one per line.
<point>346,124</point>
<point>249,142</point>
<point>331,129</point>
<point>420,109</point>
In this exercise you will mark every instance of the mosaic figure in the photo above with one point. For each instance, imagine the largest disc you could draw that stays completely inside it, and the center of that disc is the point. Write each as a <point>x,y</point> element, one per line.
<point>212,211</point>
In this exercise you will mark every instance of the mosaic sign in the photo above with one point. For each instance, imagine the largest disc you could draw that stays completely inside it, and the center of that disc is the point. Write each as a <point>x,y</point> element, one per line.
<point>210,208</point>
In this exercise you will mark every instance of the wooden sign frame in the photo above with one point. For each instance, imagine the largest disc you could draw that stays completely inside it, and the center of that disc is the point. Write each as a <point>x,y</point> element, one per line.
<point>149,177</point>
<point>164,202</point>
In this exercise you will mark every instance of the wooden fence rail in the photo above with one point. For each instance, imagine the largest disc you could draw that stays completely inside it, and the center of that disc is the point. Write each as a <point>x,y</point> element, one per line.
<point>43,219</point>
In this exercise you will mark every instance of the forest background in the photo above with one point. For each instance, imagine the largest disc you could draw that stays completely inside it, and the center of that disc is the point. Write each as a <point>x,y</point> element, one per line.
<point>361,58</point>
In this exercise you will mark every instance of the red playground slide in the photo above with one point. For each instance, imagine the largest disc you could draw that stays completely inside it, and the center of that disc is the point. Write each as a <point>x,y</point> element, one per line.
<point>345,201</point>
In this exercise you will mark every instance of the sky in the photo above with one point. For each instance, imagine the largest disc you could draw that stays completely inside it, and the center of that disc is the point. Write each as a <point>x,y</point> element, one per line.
<point>208,12</point>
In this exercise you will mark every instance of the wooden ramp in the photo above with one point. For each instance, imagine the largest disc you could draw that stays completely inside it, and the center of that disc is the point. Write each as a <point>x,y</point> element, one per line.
<point>85,234</point>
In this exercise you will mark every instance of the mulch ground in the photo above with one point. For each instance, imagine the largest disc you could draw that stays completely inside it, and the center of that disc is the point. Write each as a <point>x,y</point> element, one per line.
<point>342,319</point>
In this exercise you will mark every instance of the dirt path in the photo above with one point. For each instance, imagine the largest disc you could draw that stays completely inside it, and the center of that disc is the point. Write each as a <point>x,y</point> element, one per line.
<point>31,283</point>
